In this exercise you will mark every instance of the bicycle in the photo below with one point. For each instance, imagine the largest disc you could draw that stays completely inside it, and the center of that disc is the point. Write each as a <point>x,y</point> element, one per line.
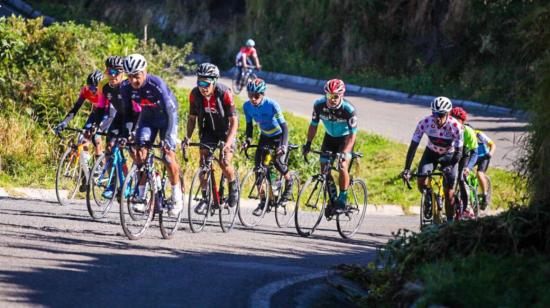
<point>108,175</point>
<point>321,188</point>
<point>247,75</point>
<point>155,198</point>
<point>264,185</point>
<point>475,192</point>
<point>434,192</point>
<point>73,169</point>
<point>214,196</point>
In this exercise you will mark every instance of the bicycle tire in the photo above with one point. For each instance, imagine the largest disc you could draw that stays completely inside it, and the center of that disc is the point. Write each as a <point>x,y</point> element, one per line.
<point>169,225</point>
<point>99,206</point>
<point>249,194</point>
<point>228,214</point>
<point>195,198</point>
<point>489,191</point>
<point>423,220</point>
<point>349,222</point>
<point>284,212</point>
<point>141,221</point>
<point>308,216</point>
<point>74,175</point>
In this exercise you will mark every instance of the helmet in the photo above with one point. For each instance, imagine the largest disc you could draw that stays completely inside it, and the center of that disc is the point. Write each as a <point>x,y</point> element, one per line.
<point>441,104</point>
<point>335,86</point>
<point>134,63</point>
<point>114,62</point>
<point>250,43</point>
<point>256,86</point>
<point>459,113</point>
<point>94,78</point>
<point>208,70</point>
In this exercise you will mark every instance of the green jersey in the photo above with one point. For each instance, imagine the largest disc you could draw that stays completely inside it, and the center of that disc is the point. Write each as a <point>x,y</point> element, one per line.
<point>470,139</point>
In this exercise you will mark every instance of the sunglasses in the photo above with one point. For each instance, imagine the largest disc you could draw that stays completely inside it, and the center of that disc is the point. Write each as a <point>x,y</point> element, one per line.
<point>204,83</point>
<point>333,96</point>
<point>439,115</point>
<point>113,72</point>
<point>255,95</point>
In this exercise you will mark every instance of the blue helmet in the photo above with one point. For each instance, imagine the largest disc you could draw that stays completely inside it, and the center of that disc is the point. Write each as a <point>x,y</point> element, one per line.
<point>250,43</point>
<point>256,86</point>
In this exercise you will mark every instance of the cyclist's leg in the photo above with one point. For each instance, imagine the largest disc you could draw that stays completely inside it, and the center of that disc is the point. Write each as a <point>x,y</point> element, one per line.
<point>170,160</point>
<point>482,166</point>
<point>145,135</point>
<point>449,184</point>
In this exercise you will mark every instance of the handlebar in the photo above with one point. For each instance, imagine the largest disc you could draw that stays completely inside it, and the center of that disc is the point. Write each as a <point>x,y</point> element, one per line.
<point>211,149</point>
<point>332,155</point>
<point>270,148</point>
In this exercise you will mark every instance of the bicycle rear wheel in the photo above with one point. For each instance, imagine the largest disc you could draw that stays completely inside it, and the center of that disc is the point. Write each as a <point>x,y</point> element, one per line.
<point>136,213</point>
<point>168,224</point>
<point>237,86</point>
<point>253,195</point>
<point>68,177</point>
<point>310,206</point>
<point>285,211</point>
<point>104,175</point>
<point>200,203</point>
<point>349,222</point>
<point>227,213</point>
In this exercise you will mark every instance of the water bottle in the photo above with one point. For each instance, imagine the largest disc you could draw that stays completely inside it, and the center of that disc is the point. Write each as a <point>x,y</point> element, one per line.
<point>273,179</point>
<point>158,181</point>
<point>439,201</point>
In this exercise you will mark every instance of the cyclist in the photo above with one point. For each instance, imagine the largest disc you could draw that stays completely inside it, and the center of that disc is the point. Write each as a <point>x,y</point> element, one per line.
<point>212,106</point>
<point>121,118</point>
<point>274,132</point>
<point>243,58</point>
<point>88,93</point>
<point>469,154</point>
<point>445,143</point>
<point>159,115</point>
<point>485,150</point>
<point>340,122</point>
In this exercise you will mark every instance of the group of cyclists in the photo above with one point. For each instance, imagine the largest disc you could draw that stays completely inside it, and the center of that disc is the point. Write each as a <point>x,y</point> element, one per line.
<point>142,106</point>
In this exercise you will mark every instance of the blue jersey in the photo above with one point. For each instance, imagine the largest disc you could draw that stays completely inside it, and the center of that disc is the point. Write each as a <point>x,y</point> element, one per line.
<point>338,122</point>
<point>268,115</point>
<point>157,104</point>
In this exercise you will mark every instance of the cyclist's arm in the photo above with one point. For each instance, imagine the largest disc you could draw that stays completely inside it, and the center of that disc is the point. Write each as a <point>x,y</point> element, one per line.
<point>106,123</point>
<point>256,60</point>
<point>70,115</point>
<point>312,130</point>
<point>233,125</point>
<point>192,117</point>
<point>410,154</point>
<point>245,65</point>
<point>171,109</point>
<point>284,128</point>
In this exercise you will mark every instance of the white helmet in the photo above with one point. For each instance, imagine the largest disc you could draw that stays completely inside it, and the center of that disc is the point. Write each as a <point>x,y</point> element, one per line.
<point>441,104</point>
<point>134,63</point>
<point>250,43</point>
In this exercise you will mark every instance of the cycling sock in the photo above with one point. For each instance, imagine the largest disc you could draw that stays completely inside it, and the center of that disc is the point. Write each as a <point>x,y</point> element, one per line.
<point>176,192</point>
<point>343,196</point>
<point>233,185</point>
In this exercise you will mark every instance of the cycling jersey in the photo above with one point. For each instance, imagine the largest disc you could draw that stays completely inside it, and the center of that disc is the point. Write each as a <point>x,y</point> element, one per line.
<point>159,108</point>
<point>338,122</point>
<point>440,139</point>
<point>87,94</point>
<point>213,113</point>
<point>483,142</point>
<point>248,51</point>
<point>470,139</point>
<point>267,114</point>
<point>121,116</point>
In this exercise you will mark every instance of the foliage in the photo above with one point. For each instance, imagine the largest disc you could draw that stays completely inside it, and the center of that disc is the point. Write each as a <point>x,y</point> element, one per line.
<point>41,72</point>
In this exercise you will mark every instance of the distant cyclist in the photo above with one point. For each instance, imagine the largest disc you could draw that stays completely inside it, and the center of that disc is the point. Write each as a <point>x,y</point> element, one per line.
<point>485,150</point>
<point>274,132</point>
<point>121,118</point>
<point>445,143</point>
<point>340,121</point>
<point>246,57</point>
<point>159,115</point>
<point>213,109</point>
<point>469,155</point>
<point>88,93</point>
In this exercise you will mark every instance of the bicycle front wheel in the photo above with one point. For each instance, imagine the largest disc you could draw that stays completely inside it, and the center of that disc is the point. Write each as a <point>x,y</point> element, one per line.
<point>169,224</point>
<point>102,187</point>
<point>227,213</point>
<point>349,222</point>
<point>200,202</point>
<point>69,177</point>
<point>310,206</point>
<point>286,209</point>
<point>136,212</point>
<point>254,195</point>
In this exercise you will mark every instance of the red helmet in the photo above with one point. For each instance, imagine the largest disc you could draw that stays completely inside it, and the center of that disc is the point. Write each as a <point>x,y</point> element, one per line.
<point>335,86</point>
<point>459,113</point>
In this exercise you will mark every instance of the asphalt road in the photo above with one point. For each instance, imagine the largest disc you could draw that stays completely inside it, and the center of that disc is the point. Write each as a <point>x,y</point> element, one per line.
<point>57,256</point>
<point>397,119</point>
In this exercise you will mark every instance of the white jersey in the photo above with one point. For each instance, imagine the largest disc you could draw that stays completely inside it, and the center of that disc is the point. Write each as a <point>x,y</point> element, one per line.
<point>443,139</point>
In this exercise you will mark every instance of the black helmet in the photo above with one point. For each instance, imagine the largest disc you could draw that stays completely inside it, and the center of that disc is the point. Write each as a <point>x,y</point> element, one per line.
<point>114,62</point>
<point>94,78</point>
<point>208,70</point>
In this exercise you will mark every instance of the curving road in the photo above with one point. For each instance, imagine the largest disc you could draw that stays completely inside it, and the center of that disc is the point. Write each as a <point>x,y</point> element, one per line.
<point>397,119</point>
